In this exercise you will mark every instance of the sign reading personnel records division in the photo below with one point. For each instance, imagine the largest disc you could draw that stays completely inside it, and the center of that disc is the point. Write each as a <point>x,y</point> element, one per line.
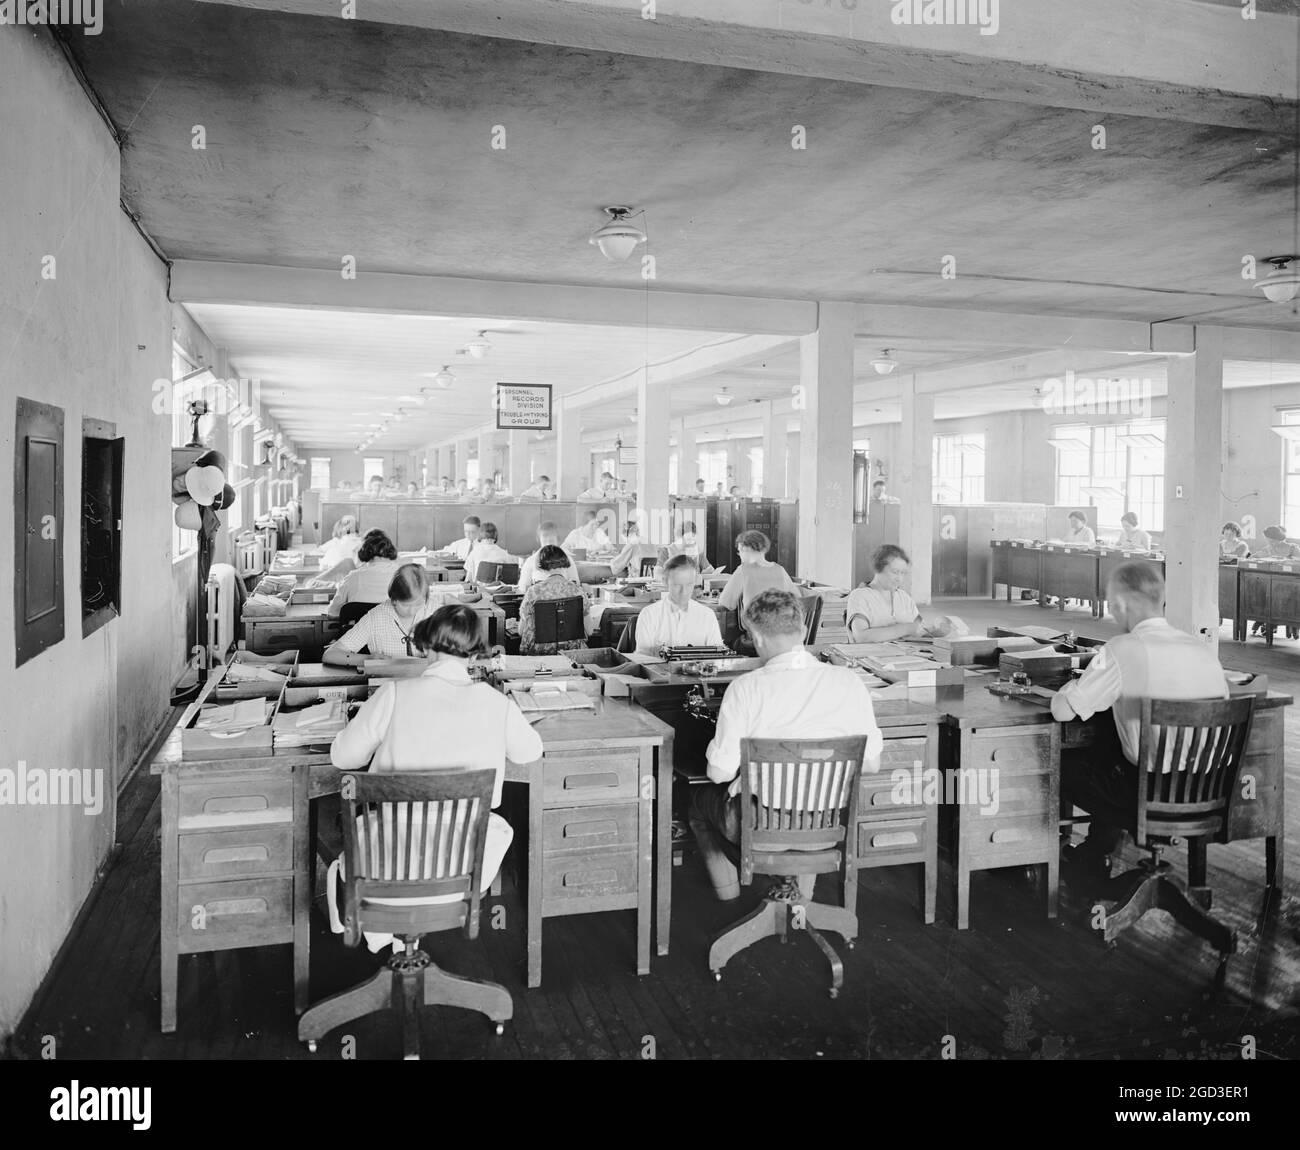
<point>523,406</point>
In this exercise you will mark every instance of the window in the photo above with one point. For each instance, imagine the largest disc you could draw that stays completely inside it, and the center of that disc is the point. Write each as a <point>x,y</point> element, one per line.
<point>673,457</point>
<point>713,467</point>
<point>957,468</point>
<point>1115,468</point>
<point>101,524</point>
<point>372,466</point>
<point>320,473</point>
<point>1291,481</point>
<point>756,472</point>
<point>471,471</point>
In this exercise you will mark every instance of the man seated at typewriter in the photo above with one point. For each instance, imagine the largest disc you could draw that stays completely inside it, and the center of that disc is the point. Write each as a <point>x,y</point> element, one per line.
<point>791,696</point>
<point>677,620</point>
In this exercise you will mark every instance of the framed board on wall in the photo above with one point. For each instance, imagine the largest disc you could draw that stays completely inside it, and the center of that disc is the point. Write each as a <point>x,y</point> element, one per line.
<point>523,406</point>
<point>38,529</point>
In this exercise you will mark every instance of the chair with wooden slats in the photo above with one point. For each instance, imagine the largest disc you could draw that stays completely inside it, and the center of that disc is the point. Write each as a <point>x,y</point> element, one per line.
<point>799,805</point>
<point>412,835</point>
<point>558,625</point>
<point>1202,742</point>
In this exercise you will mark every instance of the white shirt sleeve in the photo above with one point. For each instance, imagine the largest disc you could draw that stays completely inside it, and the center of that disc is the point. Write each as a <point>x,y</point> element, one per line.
<point>1095,690</point>
<point>875,739</point>
<point>734,719</point>
<point>354,746</point>
<point>358,635</point>
<point>523,744</point>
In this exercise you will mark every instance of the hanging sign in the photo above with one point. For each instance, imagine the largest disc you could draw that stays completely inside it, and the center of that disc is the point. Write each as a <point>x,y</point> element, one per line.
<point>523,406</point>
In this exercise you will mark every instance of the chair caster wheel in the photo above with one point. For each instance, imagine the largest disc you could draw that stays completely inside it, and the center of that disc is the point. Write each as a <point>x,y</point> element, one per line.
<point>834,992</point>
<point>1111,945</point>
<point>850,943</point>
<point>500,1029</point>
<point>311,1045</point>
<point>717,976</point>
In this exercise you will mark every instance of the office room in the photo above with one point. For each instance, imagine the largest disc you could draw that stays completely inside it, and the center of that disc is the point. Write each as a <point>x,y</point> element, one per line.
<point>660,530</point>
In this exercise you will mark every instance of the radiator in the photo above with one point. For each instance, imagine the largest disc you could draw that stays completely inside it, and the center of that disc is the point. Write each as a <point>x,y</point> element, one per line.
<point>221,612</point>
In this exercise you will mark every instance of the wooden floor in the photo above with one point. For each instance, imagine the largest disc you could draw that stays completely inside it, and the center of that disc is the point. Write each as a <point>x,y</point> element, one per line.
<point>1014,986</point>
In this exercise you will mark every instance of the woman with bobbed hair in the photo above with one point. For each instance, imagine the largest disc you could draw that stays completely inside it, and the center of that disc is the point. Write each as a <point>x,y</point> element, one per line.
<point>441,720</point>
<point>550,581</point>
<point>388,630</point>
<point>377,559</point>
<point>338,555</point>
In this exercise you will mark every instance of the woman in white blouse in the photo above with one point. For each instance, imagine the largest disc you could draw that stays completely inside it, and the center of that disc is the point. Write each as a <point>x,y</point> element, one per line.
<point>369,582</point>
<point>338,555</point>
<point>1131,538</point>
<point>882,611</point>
<point>388,630</point>
<point>441,720</point>
<point>1079,532</point>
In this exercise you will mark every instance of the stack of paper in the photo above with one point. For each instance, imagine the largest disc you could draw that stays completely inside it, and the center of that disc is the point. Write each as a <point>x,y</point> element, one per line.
<point>240,716</point>
<point>553,699</point>
<point>318,724</point>
<point>247,673</point>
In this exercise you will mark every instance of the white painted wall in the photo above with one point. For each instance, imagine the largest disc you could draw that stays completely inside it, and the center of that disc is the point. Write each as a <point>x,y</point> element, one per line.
<point>90,341</point>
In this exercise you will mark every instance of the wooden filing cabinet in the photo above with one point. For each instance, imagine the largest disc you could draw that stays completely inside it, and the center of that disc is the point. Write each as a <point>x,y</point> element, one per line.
<point>1024,764</point>
<point>896,825</point>
<point>1014,565</point>
<point>234,847</point>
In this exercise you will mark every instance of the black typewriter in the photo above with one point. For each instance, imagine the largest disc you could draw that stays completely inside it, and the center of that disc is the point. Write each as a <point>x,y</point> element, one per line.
<point>697,654</point>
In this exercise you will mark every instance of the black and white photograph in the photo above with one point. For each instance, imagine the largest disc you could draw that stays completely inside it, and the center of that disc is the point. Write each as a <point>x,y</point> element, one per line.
<point>650,531</point>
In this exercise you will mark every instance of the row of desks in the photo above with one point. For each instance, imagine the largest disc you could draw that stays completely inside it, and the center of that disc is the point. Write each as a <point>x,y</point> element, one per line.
<point>238,834</point>
<point>1249,591</point>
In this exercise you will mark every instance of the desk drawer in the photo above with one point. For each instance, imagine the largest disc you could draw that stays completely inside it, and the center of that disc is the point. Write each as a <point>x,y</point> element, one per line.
<point>1015,794</point>
<point>1027,753</point>
<point>269,637</point>
<point>574,878</point>
<point>984,837</point>
<point>228,854</point>
<point>243,912</point>
<point>252,801</point>
<point>879,796</point>
<point>580,828</point>
<point>886,838</point>
<point>328,631</point>
<point>572,779</point>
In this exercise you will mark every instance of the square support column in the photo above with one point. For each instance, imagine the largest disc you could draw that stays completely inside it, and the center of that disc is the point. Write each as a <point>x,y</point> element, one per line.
<point>774,441</point>
<point>688,459</point>
<point>517,479</point>
<point>572,462</point>
<point>826,455</point>
<point>653,513</point>
<point>1193,478</point>
<point>915,486</point>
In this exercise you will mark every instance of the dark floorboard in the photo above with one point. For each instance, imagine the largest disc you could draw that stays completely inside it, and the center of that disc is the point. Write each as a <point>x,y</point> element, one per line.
<point>908,987</point>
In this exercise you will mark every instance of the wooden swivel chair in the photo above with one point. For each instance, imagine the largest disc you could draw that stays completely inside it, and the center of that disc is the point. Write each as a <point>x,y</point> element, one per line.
<point>626,641</point>
<point>648,566</point>
<point>448,810</point>
<point>349,613</point>
<point>799,806</point>
<point>561,622</point>
<point>1203,742</point>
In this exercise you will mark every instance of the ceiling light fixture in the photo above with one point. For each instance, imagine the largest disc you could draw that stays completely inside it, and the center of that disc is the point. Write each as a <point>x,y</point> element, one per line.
<point>619,238</point>
<point>479,346</point>
<point>444,378</point>
<point>722,398</point>
<point>1282,284</point>
<point>884,363</point>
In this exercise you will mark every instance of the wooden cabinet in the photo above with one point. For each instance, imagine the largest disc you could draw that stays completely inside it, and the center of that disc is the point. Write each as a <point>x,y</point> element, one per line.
<point>1015,566</point>
<point>1228,606</point>
<point>1254,597</point>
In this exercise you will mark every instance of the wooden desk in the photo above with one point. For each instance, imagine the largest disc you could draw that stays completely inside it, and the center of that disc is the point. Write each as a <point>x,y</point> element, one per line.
<point>1268,593</point>
<point>1021,743</point>
<point>237,857</point>
<point>1016,565</point>
<point>1068,573</point>
<point>1107,562</point>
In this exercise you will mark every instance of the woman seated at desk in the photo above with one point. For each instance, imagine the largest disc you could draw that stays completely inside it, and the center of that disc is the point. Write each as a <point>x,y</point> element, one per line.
<point>486,550</point>
<point>549,582</point>
<point>882,611</point>
<point>369,582</point>
<point>1277,546</point>
<point>1078,532</point>
<point>440,720</point>
<point>338,555</point>
<point>755,574</point>
<point>1231,544</point>
<point>628,561</point>
<point>1130,537</point>
<point>387,631</point>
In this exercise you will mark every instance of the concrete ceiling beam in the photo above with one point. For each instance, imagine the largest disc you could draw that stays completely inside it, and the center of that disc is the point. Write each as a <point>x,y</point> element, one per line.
<point>1197,63</point>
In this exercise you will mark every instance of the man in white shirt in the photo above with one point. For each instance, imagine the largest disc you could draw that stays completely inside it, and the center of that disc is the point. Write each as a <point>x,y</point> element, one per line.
<point>677,620</point>
<point>547,533</point>
<point>539,490</point>
<point>600,490</point>
<point>792,696</point>
<point>462,547</point>
<point>588,537</point>
<point>1151,660</point>
<point>486,550</point>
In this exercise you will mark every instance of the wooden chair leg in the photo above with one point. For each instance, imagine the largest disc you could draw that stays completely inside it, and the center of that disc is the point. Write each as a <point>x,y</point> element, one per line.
<point>760,923</point>
<point>1137,895</point>
<point>442,988</point>
<point>963,897</point>
<point>410,986</point>
<point>837,918</point>
<point>1053,885</point>
<point>371,996</point>
<point>1169,896</point>
<point>837,966</point>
